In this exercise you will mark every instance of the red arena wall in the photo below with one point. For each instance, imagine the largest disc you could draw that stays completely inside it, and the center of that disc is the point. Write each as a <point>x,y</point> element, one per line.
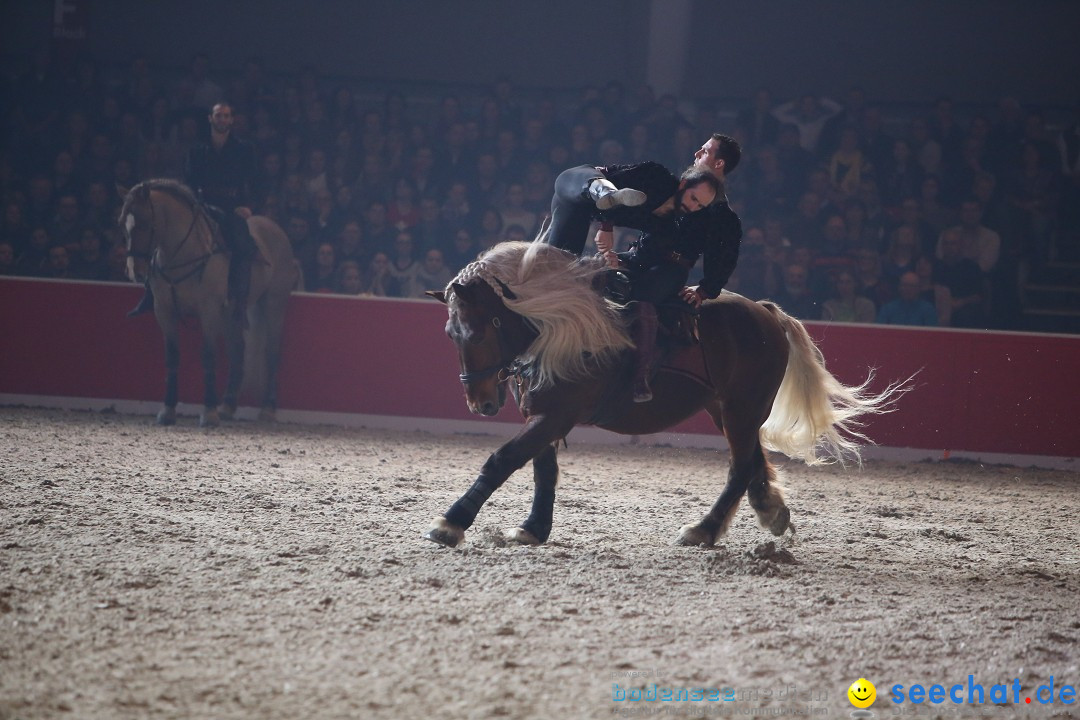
<point>975,391</point>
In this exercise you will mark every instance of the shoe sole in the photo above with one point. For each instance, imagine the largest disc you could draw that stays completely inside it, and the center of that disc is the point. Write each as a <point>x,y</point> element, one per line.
<point>626,197</point>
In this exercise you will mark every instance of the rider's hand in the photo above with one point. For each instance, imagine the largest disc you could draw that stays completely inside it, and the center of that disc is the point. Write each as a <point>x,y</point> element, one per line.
<point>692,296</point>
<point>612,259</point>
<point>605,240</point>
<point>243,212</point>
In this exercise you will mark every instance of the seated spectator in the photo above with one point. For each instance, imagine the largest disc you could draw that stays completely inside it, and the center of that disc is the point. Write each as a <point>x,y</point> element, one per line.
<point>848,164</point>
<point>66,225</point>
<point>100,206</point>
<point>966,283</point>
<point>932,292</point>
<point>901,254</point>
<point>489,229</point>
<point>403,212</point>
<point>462,251</point>
<point>14,229</point>
<point>34,258</point>
<point>870,282</point>
<point>977,242</point>
<point>7,258</point>
<point>326,219</point>
<point>514,212</point>
<point>516,233</point>
<point>861,231</point>
<point>758,274</point>
<point>770,189</point>
<point>351,244</point>
<point>433,274</point>
<point>403,267</point>
<point>908,308</point>
<point>321,274</point>
<point>936,213</point>
<point>844,305</point>
<point>350,280</point>
<point>59,264</point>
<point>90,262</point>
<point>376,279</point>
<point>117,260</point>
<point>795,296</point>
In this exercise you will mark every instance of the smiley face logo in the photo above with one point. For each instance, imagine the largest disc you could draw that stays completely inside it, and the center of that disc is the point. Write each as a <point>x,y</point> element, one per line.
<point>862,693</point>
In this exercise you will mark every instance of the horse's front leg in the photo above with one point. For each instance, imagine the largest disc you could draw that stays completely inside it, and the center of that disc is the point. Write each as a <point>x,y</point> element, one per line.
<point>536,529</point>
<point>273,317</point>
<point>167,415</point>
<point>209,415</point>
<point>539,433</point>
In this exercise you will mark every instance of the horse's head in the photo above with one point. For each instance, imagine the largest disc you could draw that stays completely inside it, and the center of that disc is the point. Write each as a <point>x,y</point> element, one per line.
<point>487,336</point>
<point>137,220</point>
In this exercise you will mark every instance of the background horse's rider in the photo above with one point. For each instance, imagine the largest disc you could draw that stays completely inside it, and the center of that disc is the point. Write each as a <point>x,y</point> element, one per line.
<point>221,172</point>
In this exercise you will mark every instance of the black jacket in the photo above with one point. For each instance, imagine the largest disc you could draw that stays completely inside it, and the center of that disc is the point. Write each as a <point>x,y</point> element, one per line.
<point>715,232</point>
<point>224,177</point>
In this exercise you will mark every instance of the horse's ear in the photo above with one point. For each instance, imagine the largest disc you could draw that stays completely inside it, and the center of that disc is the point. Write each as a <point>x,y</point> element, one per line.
<point>462,291</point>
<point>439,295</point>
<point>121,191</point>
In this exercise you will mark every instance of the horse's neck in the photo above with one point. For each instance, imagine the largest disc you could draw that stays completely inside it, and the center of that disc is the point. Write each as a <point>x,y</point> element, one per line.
<point>185,232</point>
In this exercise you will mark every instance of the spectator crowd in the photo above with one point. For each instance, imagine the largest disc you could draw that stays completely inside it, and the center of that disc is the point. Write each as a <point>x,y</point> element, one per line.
<point>849,214</point>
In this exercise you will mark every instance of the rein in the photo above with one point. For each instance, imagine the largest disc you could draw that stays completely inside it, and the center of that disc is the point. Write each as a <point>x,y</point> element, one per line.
<point>165,270</point>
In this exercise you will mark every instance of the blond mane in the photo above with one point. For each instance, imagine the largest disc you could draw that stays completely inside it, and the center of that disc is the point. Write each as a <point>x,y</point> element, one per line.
<point>553,290</point>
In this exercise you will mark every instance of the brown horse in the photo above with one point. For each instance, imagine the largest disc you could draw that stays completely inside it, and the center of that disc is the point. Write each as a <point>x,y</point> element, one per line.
<point>174,243</point>
<point>528,313</point>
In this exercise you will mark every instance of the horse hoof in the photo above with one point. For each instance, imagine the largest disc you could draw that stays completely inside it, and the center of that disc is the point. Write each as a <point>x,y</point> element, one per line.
<point>521,536</point>
<point>268,415</point>
<point>227,412</point>
<point>445,534</point>
<point>209,418</point>
<point>781,522</point>
<point>693,536</point>
<point>167,416</point>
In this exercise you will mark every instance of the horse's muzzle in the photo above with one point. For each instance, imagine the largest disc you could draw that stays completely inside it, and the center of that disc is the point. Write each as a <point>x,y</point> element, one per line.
<point>489,406</point>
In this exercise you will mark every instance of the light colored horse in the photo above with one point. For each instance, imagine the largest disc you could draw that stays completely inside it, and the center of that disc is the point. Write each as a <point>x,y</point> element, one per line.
<point>174,243</point>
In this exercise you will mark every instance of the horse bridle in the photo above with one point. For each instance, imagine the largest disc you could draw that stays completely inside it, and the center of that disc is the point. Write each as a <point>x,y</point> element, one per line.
<point>162,269</point>
<point>503,369</point>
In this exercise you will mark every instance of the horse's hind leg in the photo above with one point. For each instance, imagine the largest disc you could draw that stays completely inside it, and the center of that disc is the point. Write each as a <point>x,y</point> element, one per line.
<point>274,319</point>
<point>748,464</point>
<point>209,415</point>
<point>767,499</point>
<point>167,414</point>
<point>536,529</point>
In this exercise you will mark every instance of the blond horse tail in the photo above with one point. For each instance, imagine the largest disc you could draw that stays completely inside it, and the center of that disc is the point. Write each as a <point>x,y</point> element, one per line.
<point>815,417</point>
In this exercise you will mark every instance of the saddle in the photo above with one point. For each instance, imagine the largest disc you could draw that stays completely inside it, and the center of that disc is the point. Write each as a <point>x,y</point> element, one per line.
<point>677,320</point>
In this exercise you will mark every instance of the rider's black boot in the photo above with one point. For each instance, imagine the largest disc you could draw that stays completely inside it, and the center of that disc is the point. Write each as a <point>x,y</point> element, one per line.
<point>146,302</point>
<point>645,342</point>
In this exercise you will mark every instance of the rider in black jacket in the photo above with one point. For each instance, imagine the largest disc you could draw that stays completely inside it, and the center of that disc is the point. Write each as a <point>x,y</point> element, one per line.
<point>661,260</point>
<point>221,172</point>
